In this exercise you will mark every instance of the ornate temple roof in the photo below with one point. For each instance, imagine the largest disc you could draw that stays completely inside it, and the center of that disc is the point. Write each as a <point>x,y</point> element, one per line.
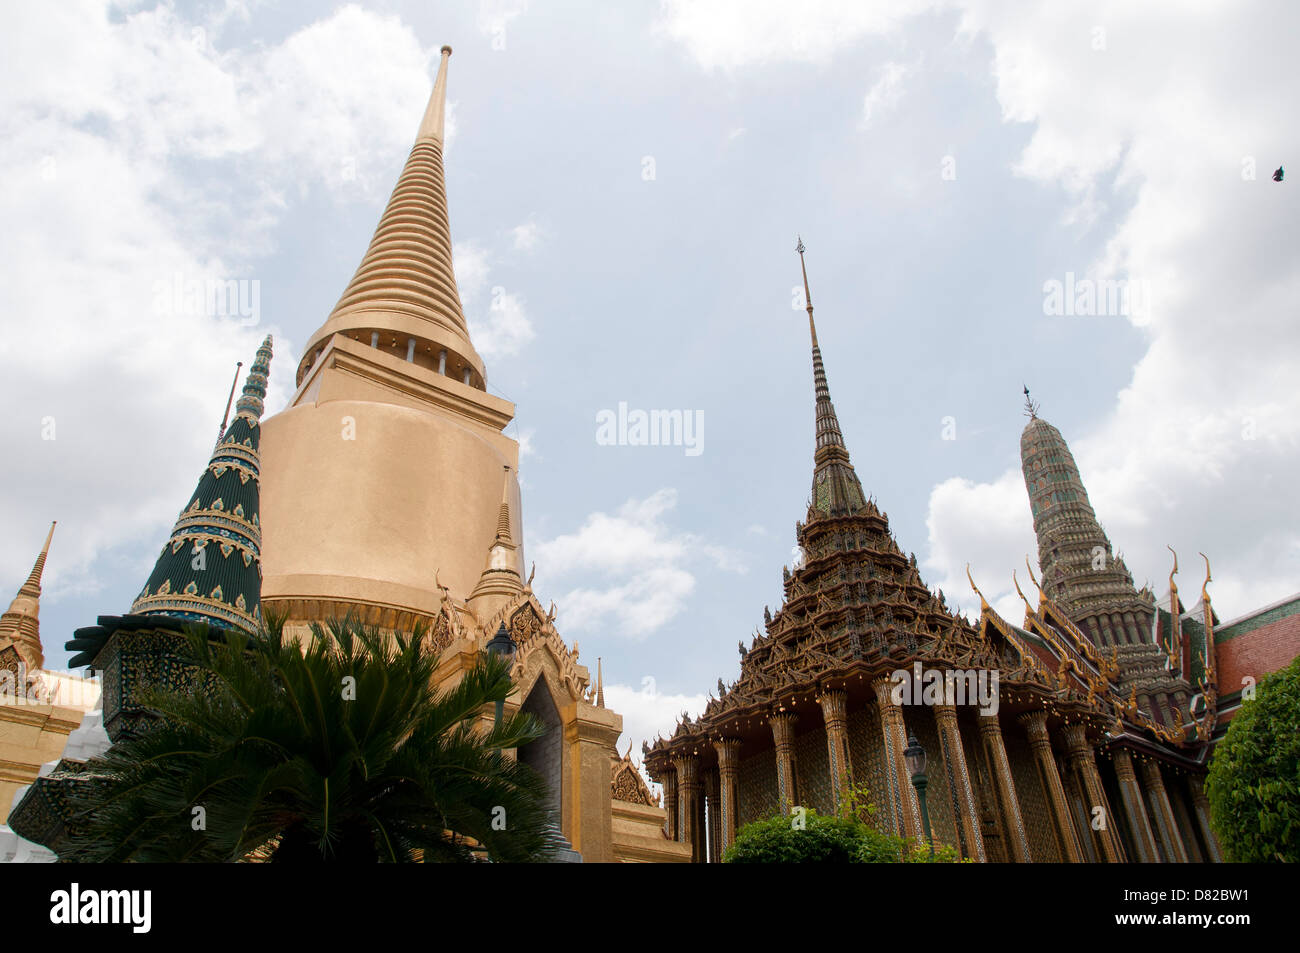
<point>20,627</point>
<point>209,570</point>
<point>405,286</point>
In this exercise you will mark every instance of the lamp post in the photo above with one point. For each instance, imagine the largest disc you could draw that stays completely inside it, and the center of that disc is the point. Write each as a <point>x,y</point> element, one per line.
<point>914,756</point>
<point>504,647</point>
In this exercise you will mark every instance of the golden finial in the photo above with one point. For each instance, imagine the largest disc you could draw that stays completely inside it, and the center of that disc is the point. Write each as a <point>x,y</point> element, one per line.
<point>1029,610</point>
<point>1031,408</point>
<point>807,295</point>
<point>229,400</point>
<point>984,603</point>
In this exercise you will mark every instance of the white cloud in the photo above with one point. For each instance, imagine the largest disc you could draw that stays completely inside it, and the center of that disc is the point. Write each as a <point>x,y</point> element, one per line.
<point>527,236</point>
<point>526,447</point>
<point>647,713</point>
<point>730,34</point>
<point>645,566</point>
<point>494,19</point>
<point>886,93</point>
<point>498,322</point>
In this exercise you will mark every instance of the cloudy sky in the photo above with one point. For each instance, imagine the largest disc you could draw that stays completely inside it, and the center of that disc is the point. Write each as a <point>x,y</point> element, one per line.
<point>626,183</point>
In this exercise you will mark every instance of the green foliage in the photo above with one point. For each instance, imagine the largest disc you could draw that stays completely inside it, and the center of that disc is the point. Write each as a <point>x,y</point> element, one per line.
<point>340,750</point>
<point>851,837</point>
<point>1254,779</point>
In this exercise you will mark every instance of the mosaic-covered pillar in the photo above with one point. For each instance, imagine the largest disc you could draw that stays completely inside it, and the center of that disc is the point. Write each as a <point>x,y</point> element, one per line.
<point>1164,814</point>
<point>1186,826</point>
<point>954,760</point>
<point>728,789</point>
<point>1083,760</point>
<point>671,811</point>
<point>991,732</point>
<point>1040,742</point>
<point>1202,805</point>
<point>688,798</point>
<point>712,794</point>
<point>834,712</point>
<point>902,796</point>
<point>1134,808</point>
<point>783,738</point>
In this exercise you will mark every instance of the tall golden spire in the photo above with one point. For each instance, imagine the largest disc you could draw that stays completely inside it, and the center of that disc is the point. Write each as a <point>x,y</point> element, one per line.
<point>20,626</point>
<point>836,489</point>
<point>403,296</point>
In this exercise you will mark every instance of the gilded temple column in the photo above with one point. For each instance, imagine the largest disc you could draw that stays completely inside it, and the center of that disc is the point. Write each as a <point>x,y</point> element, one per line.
<point>954,759</point>
<point>1035,723</point>
<point>1084,762</point>
<point>991,732</point>
<point>688,799</point>
<point>783,738</point>
<point>1202,805</point>
<point>728,789</point>
<point>1134,808</point>
<point>671,811</point>
<point>902,796</point>
<point>1164,814</point>
<point>712,790</point>
<point>834,706</point>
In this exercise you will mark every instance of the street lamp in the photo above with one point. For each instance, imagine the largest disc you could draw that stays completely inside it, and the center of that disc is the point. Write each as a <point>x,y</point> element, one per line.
<point>914,756</point>
<point>504,647</point>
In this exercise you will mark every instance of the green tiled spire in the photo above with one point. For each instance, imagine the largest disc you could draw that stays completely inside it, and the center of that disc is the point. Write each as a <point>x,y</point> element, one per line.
<point>210,568</point>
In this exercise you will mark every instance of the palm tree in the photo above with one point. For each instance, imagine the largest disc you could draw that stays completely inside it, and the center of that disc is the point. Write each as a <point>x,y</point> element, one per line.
<point>341,750</point>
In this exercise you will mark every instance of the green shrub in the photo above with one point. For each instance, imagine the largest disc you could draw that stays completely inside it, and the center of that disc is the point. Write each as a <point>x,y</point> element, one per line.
<point>1254,779</point>
<point>807,837</point>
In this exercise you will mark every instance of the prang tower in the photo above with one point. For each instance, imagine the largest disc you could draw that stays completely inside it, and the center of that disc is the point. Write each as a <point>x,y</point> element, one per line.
<point>1082,574</point>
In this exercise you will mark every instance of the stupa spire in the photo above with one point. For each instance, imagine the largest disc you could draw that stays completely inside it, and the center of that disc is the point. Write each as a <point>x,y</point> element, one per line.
<point>836,489</point>
<point>20,626</point>
<point>403,297</point>
<point>500,579</point>
<point>210,568</point>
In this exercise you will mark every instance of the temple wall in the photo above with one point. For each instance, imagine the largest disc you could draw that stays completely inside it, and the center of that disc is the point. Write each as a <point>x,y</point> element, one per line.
<point>867,753</point>
<point>1039,827</point>
<point>757,787</point>
<point>938,795</point>
<point>812,772</point>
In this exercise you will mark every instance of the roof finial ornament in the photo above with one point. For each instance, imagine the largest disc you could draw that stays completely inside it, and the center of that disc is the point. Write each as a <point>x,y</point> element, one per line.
<point>807,295</point>
<point>1031,407</point>
<point>229,400</point>
<point>434,122</point>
